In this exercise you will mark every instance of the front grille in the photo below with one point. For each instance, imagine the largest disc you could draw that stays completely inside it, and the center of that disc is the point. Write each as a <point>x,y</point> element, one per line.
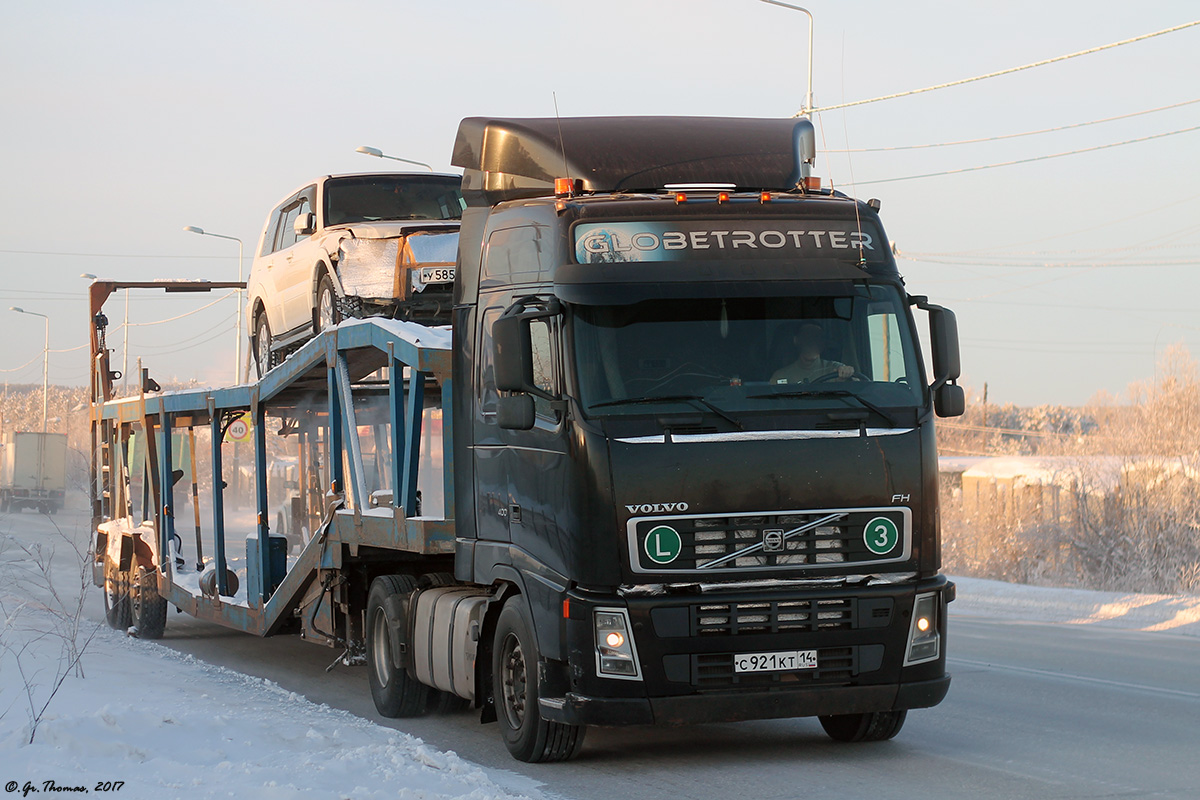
<point>782,616</point>
<point>792,540</point>
<point>834,665</point>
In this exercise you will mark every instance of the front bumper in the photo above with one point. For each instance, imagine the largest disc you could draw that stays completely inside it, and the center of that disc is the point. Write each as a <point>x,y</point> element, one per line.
<point>576,709</point>
<point>685,645</point>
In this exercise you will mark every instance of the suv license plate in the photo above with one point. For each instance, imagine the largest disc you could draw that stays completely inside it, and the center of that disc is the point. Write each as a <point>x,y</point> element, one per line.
<point>775,662</point>
<point>437,274</point>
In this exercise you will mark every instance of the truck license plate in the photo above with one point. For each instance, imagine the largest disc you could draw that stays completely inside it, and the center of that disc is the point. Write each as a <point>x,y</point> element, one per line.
<point>437,274</point>
<point>775,662</point>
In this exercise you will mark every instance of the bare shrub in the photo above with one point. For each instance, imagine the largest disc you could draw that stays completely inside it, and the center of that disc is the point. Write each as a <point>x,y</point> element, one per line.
<point>40,613</point>
<point>1122,509</point>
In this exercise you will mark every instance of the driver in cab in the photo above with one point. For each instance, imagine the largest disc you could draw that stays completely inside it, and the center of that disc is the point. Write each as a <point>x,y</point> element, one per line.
<point>809,365</point>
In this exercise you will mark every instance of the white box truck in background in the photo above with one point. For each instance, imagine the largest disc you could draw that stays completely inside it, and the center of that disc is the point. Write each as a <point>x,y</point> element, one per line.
<point>33,471</point>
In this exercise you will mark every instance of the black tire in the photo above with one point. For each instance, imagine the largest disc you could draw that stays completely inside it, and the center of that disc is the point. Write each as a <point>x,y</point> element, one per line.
<point>395,692</point>
<point>263,360</point>
<point>877,726</point>
<point>116,596</point>
<point>326,312</point>
<point>147,608</point>
<point>515,658</point>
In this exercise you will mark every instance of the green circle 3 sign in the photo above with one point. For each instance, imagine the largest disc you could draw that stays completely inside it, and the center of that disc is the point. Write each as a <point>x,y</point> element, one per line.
<point>881,535</point>
<point>663,544</point>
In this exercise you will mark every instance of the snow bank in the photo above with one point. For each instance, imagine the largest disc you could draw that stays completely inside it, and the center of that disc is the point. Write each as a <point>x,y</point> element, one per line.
<point>1178,614</point>
<point>171,726</point>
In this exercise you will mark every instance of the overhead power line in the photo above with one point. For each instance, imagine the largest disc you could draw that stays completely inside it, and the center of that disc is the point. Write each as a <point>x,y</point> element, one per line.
<point>103,255</point>
<point>1009,71</point>
<point>1015,135</point>
<point>1033,159</point>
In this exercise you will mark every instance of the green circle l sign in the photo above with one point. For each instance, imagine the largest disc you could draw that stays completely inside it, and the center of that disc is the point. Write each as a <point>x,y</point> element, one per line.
<point>663,544</point>
<point>881,535</point>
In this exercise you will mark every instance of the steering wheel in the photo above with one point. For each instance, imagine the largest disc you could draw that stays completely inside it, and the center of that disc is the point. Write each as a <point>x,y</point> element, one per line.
<point>833,376</point>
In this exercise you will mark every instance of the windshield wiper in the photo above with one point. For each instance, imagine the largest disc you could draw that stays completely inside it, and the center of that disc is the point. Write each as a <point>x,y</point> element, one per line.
<point>672,398</point>
<point>829,393</point>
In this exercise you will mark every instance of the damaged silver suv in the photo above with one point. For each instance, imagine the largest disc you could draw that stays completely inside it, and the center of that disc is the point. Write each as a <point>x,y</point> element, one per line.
<point>353,246</point>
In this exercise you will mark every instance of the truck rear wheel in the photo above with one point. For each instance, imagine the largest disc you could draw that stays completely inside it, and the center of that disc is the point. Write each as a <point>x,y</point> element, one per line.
<point>515,659</point>
<point>877,726</point>
<point>147,608</point>
<point>395,692</point>
<point>116,596</point>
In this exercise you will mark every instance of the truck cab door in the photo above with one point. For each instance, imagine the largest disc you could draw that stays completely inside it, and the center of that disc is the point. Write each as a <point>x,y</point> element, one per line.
<point>491,481</point>
<point>537,463</point>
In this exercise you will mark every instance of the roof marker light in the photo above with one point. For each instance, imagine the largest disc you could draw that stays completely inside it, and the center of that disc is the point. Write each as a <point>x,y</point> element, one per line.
<point>764,197</point>
<point>722,197</point>
<point>680,197</point>
<point>812,183</point>
<point>562,187</point>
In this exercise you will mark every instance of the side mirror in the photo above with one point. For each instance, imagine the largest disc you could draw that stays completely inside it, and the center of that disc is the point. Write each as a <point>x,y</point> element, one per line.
<point>512,344</point>
<point>949,400</point>
<point>943,338</point>
<point>305,224</point>
<point>512,357</point>
<point>515,412</point>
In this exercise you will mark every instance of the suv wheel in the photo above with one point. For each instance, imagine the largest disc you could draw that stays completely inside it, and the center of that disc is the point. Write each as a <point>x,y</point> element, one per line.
<point>262,344</point>
<point>326,314</point>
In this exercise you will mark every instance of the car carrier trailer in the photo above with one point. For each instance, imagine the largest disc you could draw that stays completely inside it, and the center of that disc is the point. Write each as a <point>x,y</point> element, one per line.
<point>686,459</point>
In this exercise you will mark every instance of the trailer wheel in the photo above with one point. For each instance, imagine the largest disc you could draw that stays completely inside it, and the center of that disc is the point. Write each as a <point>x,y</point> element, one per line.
<point>515,659</point>
<point>877,726</point>
<point>147,607</point>
<point>395,692</point>
<point>116,596</point>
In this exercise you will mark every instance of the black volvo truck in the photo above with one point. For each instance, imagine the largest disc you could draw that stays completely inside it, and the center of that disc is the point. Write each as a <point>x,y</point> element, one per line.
<point>694,438</point>
<point>686,469</point>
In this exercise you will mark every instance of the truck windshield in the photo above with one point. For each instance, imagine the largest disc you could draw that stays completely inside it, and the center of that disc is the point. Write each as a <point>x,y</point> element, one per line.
<point>372,198</point>
<point>749,354</point>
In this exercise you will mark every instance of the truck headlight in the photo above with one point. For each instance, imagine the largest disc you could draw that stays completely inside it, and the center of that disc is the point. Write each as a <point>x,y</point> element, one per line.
<point>615,653</point>
<point>924,641</point>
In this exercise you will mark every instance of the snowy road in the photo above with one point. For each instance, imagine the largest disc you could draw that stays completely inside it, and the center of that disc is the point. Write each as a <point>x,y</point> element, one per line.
<point>1035,711</point>
<point>1038,709</point>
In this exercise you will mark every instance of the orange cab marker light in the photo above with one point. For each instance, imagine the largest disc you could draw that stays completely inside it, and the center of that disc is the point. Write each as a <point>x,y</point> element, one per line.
<point>722,197</point>
<point>813,184</point>
<point>562,187</point>
<point>681,197</point>
<point>764,197</point>
<point>566,608</point>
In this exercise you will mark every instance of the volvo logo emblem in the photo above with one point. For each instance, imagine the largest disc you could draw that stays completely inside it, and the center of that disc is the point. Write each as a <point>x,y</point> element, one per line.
<point>773,541</point>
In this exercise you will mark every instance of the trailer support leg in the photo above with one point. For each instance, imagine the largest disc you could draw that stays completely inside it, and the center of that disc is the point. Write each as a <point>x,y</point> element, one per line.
<point>260,482</point>
<point>218,499</point>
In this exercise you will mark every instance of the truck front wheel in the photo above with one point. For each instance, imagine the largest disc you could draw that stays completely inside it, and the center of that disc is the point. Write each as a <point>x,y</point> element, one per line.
<point>395,692</point>
<point>515,660</point>
<point>877,726</point>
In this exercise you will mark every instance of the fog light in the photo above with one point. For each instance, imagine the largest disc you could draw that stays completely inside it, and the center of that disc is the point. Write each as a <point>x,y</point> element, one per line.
<point>924,642</point>
<point>615,654</point>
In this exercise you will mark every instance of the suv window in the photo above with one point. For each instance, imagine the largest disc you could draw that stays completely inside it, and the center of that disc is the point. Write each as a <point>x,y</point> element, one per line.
<point>372,198</point>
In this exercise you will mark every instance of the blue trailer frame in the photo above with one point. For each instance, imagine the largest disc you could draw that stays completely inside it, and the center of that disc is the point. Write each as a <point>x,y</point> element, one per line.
<point>325,370</point>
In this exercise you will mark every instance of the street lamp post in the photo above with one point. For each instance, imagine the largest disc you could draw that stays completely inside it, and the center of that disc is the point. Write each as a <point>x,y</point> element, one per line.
<point>237,353</point>
<point>45,360</point>
<point>808,99</point>
<point>375,151</point>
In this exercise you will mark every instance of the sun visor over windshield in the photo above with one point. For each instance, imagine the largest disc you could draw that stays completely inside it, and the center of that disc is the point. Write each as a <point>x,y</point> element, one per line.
<point>624,283</point>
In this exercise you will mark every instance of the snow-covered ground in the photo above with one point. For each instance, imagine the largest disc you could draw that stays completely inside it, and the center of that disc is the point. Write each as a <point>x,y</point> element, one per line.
<point>183,728</point>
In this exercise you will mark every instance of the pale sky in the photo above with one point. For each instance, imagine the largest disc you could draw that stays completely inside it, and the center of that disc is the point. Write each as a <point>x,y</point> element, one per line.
<point>126,121</point>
